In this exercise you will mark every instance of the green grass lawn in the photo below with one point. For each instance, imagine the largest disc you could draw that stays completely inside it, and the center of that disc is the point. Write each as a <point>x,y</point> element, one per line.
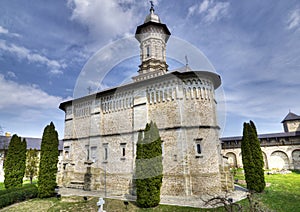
<point>282,194</point>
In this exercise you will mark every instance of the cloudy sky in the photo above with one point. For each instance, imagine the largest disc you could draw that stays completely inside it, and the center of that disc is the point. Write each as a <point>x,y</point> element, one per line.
<point>44,45</point>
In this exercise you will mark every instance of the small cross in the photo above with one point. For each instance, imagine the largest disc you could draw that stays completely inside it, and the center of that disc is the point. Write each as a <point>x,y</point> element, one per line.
<point>89,89</point>
<point>186,60</point>
<point>151,2</point>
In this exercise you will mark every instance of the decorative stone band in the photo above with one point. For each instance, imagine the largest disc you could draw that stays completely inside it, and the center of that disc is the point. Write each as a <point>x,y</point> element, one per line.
<point>136,131</point>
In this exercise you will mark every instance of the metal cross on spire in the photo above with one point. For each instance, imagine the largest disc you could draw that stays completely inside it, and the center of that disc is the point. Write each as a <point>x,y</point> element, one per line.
<point>186,61</point>
<point>151,2</point>
<point>152,6</point>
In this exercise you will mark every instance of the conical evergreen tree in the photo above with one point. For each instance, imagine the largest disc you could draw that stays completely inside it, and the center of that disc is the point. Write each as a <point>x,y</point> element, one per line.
<point>149,167</point>
<point>257,156</point>
<point>48,162</point>
<point>15,163</point>
<point>252,158</point>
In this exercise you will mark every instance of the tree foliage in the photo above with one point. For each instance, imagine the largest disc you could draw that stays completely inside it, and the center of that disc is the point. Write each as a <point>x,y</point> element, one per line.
<point>48,162</point>
<point>32,162</point>
<point>15,163</point>
<point>149,168</point>
<point>252,158</point>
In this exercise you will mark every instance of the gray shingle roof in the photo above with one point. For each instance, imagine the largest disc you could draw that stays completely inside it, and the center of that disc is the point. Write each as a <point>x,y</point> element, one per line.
<point>264,136</point>
<point>33,143</point>
<point>290,117</point>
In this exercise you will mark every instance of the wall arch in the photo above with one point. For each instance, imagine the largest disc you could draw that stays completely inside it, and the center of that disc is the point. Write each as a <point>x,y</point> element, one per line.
<point>279,160</point>
<point>296,159</point>
<point>231,159</point>
<point>266,165</point>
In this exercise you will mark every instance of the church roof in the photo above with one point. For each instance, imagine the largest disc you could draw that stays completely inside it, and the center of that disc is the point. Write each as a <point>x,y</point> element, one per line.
<point>152,17</point>
<point>179,74</point>
<point>290,117</point>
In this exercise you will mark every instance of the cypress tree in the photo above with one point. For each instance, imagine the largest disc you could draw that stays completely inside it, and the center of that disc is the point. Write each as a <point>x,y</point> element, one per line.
<point>48,162</point>
<point>257,159</point>
<point>149,168</point>
<point>15,163</point>
<point>252,158</point>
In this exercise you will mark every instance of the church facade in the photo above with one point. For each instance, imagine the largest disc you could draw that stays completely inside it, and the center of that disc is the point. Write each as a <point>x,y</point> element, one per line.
<point>101,129</point>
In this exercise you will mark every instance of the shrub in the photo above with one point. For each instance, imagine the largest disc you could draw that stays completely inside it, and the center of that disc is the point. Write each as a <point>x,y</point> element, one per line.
<point>15,195</point>
<point>149,168</point>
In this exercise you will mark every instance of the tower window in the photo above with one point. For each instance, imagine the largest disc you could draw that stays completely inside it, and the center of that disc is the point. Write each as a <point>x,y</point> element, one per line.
<point>105,158</point>
<point>105,153</point>
<point>87,148</point>
<point>94,152</point>
<point>198,148</point>
<point>148,51</point>
<point>67,152</point>
<point>123,150</point>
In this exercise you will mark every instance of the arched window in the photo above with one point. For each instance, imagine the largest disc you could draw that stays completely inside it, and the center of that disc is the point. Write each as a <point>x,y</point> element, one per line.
<point>198,148</point>
<point>148,51</point>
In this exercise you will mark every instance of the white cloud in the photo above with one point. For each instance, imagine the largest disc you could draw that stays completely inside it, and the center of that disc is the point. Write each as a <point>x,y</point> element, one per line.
<point>107,18</point>
<point>210,10</point>
<point>24,53</point>
<point>192,10</point>
<point>11,74</point>
<point>204,5</point>
<point>14,95</point>
<point>216,12</point>
<point>294,19</point>
<point>3,30</point>
<point>6,31</point>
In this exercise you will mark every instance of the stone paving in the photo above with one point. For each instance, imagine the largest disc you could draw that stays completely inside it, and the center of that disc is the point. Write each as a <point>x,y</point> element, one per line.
<point>238,194</point>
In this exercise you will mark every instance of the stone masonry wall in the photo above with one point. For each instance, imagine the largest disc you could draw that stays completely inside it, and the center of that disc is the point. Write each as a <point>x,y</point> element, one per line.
<point>104,131</point>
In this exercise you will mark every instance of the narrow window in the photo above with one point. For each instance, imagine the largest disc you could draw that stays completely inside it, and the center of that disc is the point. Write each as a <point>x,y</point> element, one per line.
<point>148,51</point>
<point>94,152</point>
<point>123,150</point>
<point>67,152</point>
<point>87,148</point>
<point>198,149</point>
<point>105,153</point>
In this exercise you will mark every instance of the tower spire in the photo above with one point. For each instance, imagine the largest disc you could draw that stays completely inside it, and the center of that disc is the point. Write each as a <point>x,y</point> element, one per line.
<point>153,37</point>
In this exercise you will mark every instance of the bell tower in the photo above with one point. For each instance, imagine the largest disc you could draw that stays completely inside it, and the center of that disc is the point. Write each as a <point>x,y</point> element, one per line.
<point>153,37</point>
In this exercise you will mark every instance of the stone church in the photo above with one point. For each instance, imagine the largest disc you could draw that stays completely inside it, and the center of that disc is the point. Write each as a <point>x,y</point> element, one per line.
<point>101,129</point>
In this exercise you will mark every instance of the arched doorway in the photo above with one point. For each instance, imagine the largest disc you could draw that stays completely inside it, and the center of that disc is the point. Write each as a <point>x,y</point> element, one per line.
<point>279,160</point>
<point>296,158</point>
<point>231,159</point>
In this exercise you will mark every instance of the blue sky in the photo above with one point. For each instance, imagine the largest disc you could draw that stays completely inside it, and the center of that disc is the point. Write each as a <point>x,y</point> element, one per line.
<point>254,46</point>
